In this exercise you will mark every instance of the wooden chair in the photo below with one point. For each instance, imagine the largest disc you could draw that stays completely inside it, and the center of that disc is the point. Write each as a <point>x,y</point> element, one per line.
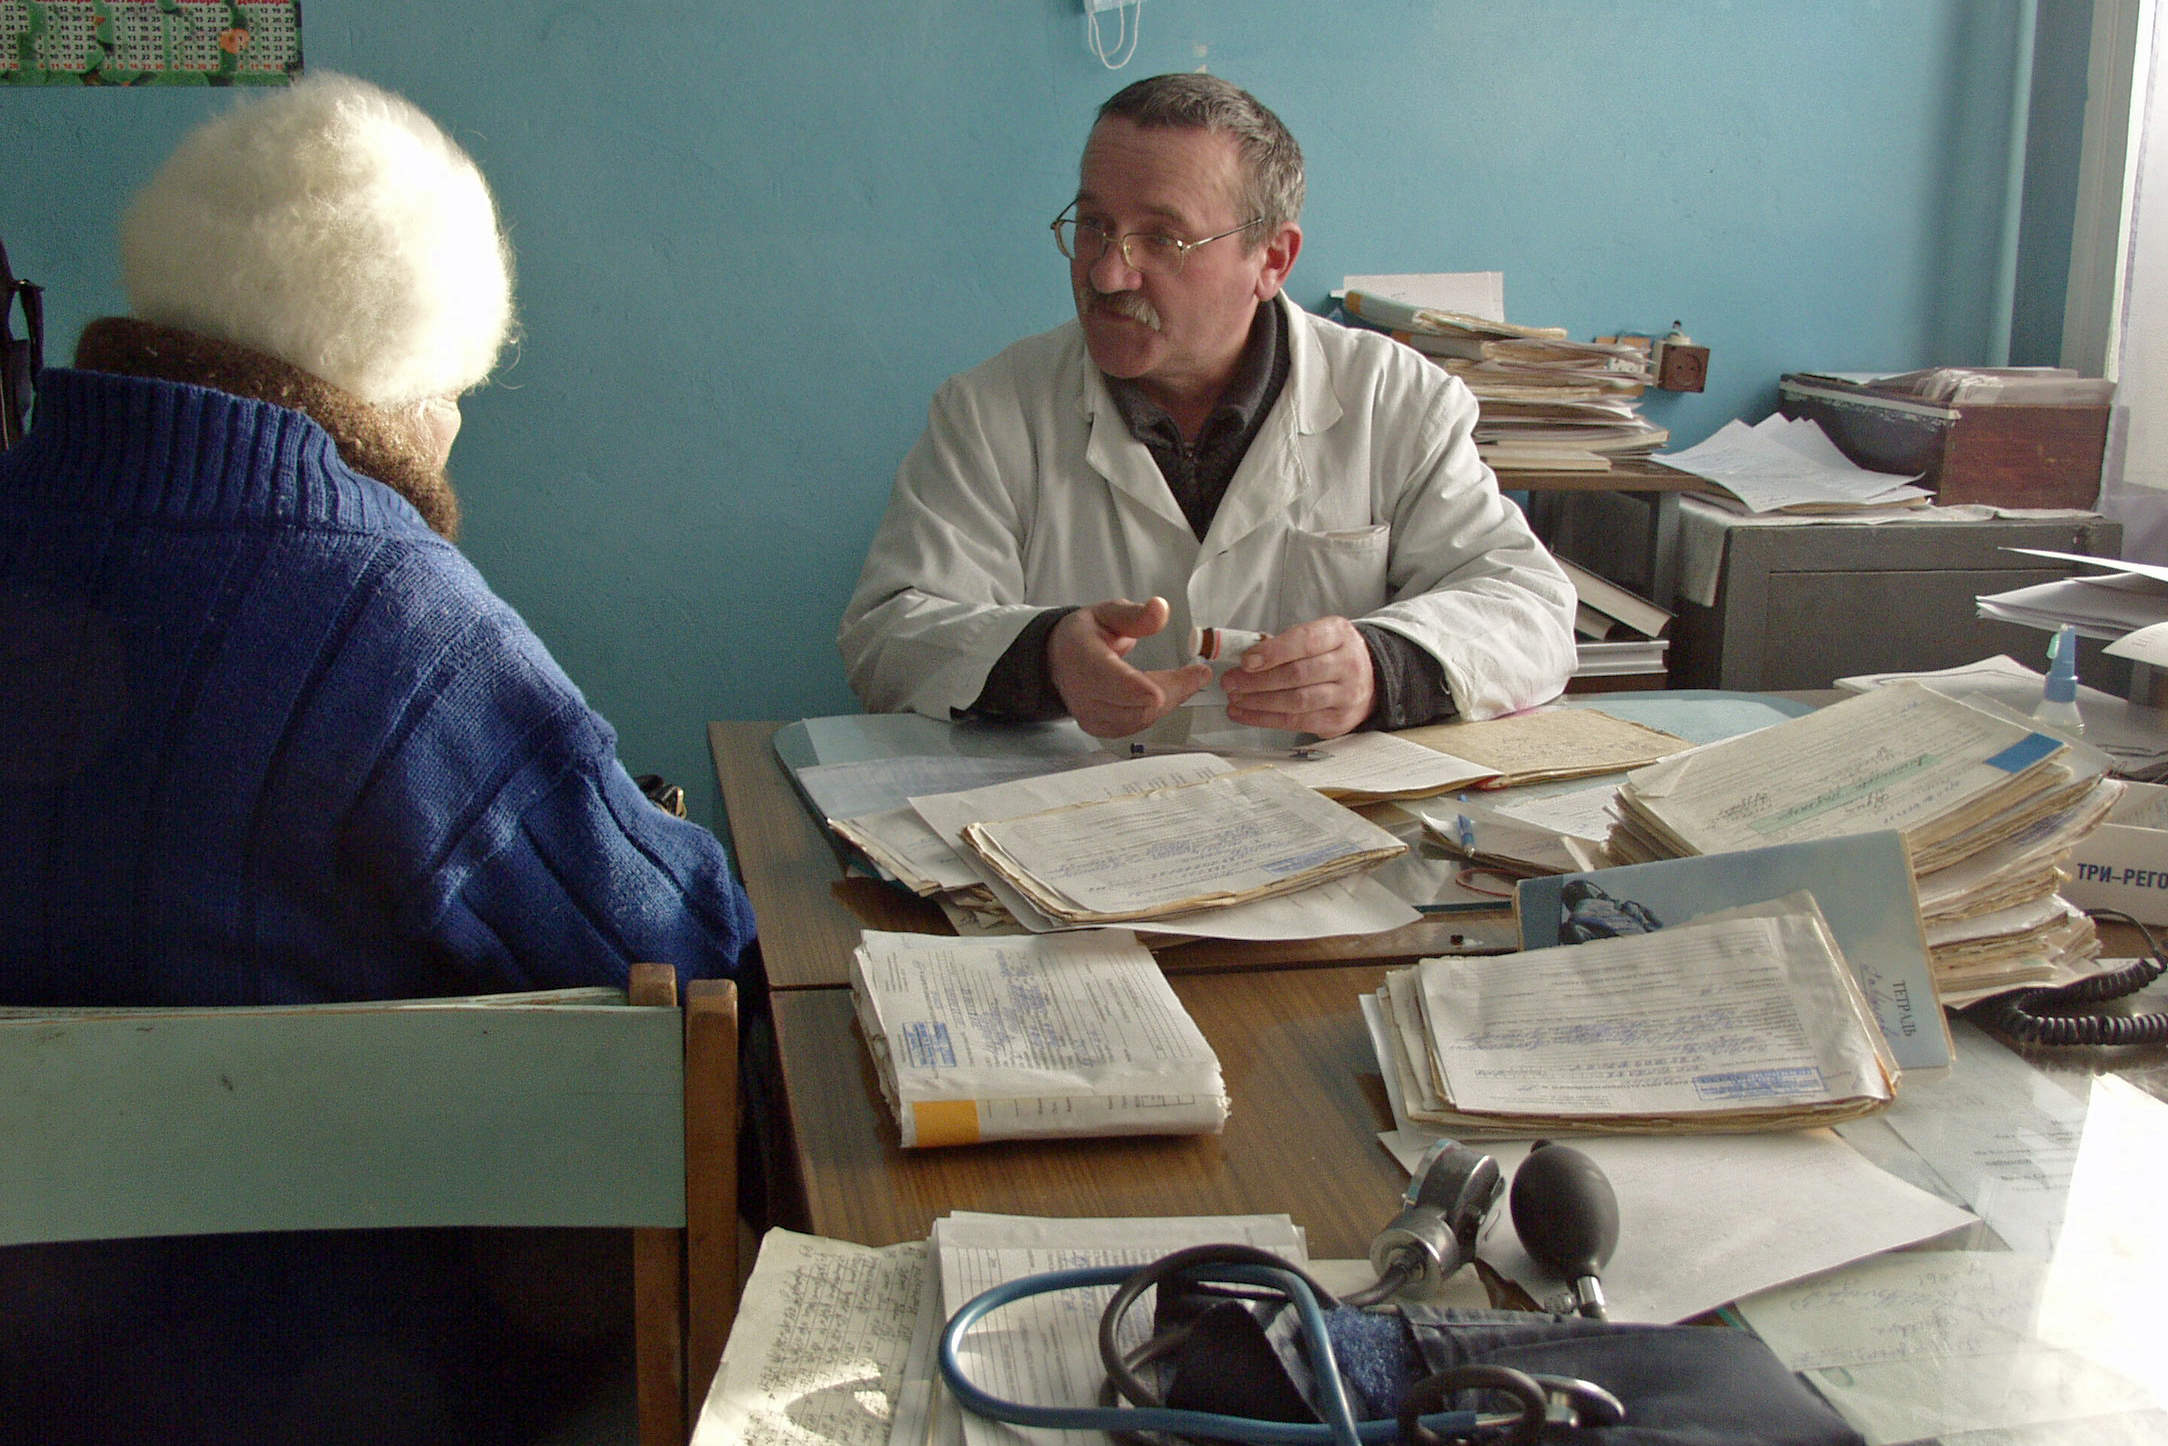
<point>568,1108</point>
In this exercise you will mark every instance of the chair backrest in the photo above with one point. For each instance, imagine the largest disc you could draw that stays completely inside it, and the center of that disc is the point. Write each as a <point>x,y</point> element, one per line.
<point>570,1108</point>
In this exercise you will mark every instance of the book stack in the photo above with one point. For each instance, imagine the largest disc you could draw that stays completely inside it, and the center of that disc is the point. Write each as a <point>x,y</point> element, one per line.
<point>1617,634</point>
<point>1988,805</point>
<point>1547,403</point>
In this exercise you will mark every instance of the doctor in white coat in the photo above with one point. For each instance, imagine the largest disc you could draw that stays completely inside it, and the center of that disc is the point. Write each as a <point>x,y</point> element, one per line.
<point>1035,560</point>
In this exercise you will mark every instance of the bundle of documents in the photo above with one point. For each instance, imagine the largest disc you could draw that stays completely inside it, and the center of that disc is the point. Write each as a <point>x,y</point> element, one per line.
<point>1011,1039</point>
<point>1988,806</point>
<point>1253,872</point>
<point>1747,1019</point>
<point>1546,402</point>
<point>1233,838</point>
<point>2136,737</point>
<point>1617,633</point>
<point>1789,465</point>
<point>1862,883</point>
<point>1978,386</point>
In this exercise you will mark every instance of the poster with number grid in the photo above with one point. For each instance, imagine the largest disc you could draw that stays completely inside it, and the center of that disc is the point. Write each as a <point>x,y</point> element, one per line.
<point>149,42</point>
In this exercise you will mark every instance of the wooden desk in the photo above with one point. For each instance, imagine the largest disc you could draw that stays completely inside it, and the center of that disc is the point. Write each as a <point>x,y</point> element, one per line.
<point>811,913</point>
<point>1307,1106</point>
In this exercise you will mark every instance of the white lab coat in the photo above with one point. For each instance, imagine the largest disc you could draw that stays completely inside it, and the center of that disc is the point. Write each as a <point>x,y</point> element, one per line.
<point>1361,496</point>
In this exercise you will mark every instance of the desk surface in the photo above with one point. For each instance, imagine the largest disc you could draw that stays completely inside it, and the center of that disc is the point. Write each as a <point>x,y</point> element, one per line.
<point>1307,1105</point>
<point>811,913</point>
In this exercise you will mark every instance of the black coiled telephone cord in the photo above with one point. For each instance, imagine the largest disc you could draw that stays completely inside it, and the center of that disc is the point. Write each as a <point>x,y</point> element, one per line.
<point>2052,1016</point>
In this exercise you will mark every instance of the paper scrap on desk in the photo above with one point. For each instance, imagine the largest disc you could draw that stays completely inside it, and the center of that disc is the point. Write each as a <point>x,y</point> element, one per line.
<point>1550,743</point>
<point>1706,1219</point>
<point>1934,1342</point>
<point>817,1352</point>
<point>1361,768</point>
<point>2147,645</point>
<point>2001,1136</point>
<point>2098,607</point>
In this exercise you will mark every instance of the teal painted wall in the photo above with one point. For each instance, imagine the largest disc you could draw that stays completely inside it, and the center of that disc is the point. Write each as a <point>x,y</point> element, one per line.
<point>753,238</point>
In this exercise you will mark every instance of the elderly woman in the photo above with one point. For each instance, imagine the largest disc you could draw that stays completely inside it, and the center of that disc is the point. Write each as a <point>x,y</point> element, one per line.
<point>267,737</point>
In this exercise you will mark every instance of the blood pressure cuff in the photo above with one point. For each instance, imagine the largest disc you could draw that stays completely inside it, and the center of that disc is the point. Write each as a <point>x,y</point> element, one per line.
<point>1680,1385</point>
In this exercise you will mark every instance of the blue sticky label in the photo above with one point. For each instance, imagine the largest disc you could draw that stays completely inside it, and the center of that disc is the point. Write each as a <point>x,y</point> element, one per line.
<point>2024,753</point>
<point>926,1045</point>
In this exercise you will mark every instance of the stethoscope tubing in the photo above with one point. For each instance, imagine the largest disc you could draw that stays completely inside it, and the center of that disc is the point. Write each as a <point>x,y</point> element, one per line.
<point>1340,1428</point>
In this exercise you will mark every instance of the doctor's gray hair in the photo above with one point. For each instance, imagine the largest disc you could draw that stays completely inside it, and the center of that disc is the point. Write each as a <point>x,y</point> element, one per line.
<point>1271,187</point>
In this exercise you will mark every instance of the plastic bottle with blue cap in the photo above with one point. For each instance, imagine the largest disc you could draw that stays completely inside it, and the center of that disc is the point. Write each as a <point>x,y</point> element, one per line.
<point>2059,691</point>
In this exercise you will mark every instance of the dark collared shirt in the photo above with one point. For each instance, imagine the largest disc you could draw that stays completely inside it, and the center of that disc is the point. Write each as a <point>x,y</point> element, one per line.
<point>1411,687</point>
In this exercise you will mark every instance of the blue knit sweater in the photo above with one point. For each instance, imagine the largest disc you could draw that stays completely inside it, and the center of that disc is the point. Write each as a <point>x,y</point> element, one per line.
<point>265,738</point>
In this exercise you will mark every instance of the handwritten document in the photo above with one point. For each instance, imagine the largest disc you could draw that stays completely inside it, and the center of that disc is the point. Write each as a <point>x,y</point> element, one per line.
<point>1372,767</point>
<point>1753,1011</point>
<point>1026,1038</point>
<point>817,1352</point>
<point>1046,1349</point>
<point>1553,743</point>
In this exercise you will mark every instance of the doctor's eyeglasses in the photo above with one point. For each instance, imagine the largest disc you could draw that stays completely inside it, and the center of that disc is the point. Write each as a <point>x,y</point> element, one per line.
<point>1155,253</point>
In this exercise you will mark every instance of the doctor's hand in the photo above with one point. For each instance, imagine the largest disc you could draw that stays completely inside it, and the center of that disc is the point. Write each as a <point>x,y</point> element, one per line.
<point>1086,656</point>
<point>1314,678</point>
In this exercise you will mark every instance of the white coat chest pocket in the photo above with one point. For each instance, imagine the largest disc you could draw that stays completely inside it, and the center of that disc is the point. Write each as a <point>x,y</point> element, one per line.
<point>1333,573</point>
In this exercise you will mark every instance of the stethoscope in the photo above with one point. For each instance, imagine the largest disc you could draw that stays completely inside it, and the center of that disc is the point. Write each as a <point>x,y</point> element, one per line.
<point>1452,1193</point>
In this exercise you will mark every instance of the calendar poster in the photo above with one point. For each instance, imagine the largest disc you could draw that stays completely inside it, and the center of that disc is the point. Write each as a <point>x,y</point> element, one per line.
<point>149,42</point>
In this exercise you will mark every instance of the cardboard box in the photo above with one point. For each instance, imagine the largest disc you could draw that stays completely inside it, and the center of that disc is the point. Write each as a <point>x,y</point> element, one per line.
<point>2006,455</point>
<point>2123,864</point>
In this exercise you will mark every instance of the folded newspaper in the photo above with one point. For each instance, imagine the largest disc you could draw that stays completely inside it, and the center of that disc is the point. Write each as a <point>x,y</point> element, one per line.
<point>1031,1038</point>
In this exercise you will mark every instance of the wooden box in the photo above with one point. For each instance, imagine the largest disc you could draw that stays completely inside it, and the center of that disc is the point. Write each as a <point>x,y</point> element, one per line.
<point>2005,455</point>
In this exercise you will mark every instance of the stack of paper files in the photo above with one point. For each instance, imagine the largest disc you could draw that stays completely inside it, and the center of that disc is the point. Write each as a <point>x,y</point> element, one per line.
<point>1031,1038</point>
<point>1277,859</point>
<point>1744,1020</point>
<point>1789,465</point>
<point>1988,806</point>
<point>1547,403</point>
<point>1862,883</point>
<point>1233,838</point>
<point>2136,737</point>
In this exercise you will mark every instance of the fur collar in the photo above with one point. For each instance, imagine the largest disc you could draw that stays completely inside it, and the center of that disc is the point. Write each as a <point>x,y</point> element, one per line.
<point>374,442</point>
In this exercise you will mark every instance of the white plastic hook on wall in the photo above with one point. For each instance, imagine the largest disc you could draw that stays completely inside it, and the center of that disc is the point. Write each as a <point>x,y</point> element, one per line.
<point>1128,27</point>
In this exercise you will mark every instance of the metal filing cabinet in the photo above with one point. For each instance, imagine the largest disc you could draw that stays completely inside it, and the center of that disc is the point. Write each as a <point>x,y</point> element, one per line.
<point>1798,607</point>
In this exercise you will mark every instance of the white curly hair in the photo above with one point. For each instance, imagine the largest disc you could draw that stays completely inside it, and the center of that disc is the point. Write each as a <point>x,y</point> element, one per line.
<point>336,227</point>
